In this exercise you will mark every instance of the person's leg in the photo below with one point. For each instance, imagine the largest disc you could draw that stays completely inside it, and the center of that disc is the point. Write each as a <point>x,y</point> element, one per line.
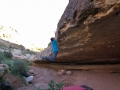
<point>54,54</point>
<point>48,58</point>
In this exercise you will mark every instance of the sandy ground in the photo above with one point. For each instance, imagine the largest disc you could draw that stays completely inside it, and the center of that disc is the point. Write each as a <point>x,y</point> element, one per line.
<point>95,80</point>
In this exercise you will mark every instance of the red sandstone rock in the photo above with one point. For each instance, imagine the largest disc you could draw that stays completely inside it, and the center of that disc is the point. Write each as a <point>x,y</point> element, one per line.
<point>89,32</point>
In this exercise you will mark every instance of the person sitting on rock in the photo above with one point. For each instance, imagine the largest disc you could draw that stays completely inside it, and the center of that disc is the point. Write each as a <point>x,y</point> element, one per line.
<point>54,49</point>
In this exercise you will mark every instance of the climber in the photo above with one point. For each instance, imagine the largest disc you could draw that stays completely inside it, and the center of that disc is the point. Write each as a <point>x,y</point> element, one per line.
<point>54,45</point>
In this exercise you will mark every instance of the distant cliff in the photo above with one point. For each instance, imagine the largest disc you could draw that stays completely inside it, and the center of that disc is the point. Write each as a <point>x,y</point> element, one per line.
<point>9,34</point>
<point>10,37</point>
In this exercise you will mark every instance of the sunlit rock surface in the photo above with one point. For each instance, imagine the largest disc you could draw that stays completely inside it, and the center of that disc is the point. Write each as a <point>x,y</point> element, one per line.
<point>89,32</point>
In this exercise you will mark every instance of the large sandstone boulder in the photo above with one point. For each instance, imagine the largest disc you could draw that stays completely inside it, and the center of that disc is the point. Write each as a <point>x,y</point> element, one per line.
<point>89,32</point>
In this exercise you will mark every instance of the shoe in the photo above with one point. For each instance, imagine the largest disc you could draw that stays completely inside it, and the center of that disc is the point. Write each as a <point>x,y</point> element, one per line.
<point>42,57</point>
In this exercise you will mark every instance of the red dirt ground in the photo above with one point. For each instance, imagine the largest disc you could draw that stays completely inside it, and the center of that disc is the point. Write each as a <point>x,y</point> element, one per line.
<point>95,80</point>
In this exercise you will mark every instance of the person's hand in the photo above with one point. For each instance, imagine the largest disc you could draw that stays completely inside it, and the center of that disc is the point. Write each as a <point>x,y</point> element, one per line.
<point>56,34</point>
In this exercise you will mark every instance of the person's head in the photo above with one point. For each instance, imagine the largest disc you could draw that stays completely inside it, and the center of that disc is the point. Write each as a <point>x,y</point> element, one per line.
<point>52,39</point>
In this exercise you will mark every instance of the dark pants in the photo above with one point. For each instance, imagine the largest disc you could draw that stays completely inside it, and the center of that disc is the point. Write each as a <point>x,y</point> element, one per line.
<point>54,54</point>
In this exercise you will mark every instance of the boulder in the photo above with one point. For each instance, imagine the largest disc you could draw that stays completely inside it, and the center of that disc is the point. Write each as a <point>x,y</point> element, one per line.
<point>29,79</point>
<point>89,34</point>
<point>4,68</point>
<point>69,72</point>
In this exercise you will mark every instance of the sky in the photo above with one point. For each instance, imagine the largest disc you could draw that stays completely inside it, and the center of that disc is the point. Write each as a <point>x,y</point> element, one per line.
<point>35,20</point>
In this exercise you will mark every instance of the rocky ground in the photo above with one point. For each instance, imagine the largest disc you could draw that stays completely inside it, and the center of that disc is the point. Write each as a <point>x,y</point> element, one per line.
<point>95,80</point>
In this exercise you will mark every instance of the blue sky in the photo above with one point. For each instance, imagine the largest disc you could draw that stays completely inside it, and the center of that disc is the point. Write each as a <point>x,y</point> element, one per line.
<point>35,20</point>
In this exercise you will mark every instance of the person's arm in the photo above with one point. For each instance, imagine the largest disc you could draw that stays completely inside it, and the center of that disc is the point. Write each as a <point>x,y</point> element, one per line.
<point>56,34</point>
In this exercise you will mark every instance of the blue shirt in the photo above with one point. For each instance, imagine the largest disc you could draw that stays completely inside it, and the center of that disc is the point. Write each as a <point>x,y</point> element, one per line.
<point>54,46</point>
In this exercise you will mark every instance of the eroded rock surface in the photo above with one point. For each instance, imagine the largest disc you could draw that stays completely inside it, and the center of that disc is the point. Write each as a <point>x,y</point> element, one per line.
<point>89,32</point>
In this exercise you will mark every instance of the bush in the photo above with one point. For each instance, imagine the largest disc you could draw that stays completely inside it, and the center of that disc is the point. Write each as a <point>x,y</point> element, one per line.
<point>30,63</point>
<point>2,55</point>
<point>54,86</point>
<point>8,54</point>
<point>4,59</point>
<point>19,68</point>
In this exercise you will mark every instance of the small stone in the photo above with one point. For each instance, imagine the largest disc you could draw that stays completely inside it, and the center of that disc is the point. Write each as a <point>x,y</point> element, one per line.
<point>113,46</point>
<point>69,72</point>
<point>29,79</point>
<point>63,71</point>
<point>31,71</point>
<point>62,80</point>
<point>60,73</point>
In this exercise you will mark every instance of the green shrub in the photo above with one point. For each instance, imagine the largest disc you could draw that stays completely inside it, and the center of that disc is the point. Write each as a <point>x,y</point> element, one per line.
<point>2,55</point>
<point>19,67</point>
<point>54,86</point>
<point>4,59</point>
<point>30,63</point>
<point>8,54</point>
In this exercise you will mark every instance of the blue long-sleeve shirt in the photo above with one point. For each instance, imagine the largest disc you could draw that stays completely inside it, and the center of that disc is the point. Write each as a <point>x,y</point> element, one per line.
<point>54,46</point>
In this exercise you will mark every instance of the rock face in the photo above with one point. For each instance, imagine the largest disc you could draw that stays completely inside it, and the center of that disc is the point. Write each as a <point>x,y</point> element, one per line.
<point>89,32</point>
